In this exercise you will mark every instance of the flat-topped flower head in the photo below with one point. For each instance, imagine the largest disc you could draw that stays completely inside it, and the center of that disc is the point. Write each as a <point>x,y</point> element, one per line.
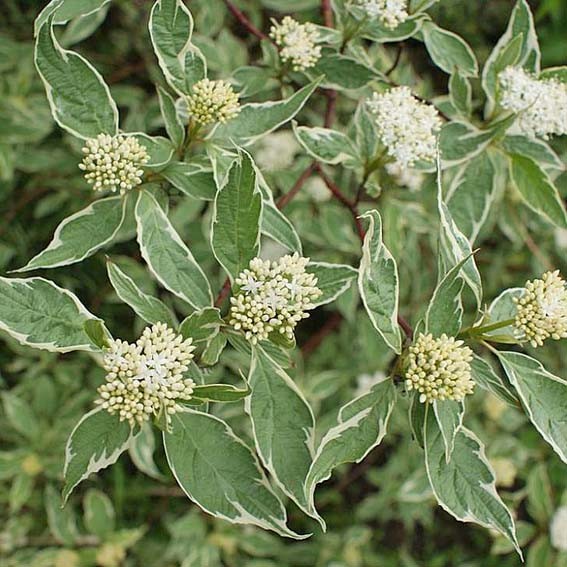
<point>273,296</point>
<point>212,101</point>
<point>542,309</point>
<point>439,368</point>
<point>406,126</point>
<point>297,42</point>
<point>391,13</point>
<point>114,163</point>
<point>146,378</point>
<point>541,104</point>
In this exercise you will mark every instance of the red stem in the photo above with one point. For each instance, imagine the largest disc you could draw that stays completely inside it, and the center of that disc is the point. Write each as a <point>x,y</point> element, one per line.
<point>242,19</point>
<point>327,13</point>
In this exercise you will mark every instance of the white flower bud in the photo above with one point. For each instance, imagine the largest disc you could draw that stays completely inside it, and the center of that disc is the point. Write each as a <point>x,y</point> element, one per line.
<point>297,42</point>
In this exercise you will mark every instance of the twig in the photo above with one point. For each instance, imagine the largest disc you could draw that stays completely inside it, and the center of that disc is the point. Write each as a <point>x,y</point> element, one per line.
<point>331,107</point>
<point>223,293</point>
<point>242,19</point>
<point>327,13</point>
<point>285,199</point>
<point>406,327</point>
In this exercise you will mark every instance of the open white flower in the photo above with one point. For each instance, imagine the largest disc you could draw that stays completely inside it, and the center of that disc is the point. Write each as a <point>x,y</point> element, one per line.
<point>541,104</point>
<point>212,101</point>
<point>542,309</point>
<point>439,368</point>
<point>114,163</point>
<point>390,12</point>
<point>298,42</point>
<point>406,126</point>
<point>147,378</point>
<point>273,296</point>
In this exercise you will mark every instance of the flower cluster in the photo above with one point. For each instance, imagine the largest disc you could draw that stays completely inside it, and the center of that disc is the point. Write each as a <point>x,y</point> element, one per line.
<point>406,126</point>
<point>558,529</point>
<point>212,101</point>
<point>298,42</point>
<point>114,163</point>
<point>541,311</point>
<point>273,296</point>
<point>439,368</point>
<point>390,12</point>
<point>146,378</point>
<point>541,104</point>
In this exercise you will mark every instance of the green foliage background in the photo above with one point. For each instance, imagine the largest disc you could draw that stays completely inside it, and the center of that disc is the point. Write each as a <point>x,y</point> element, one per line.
<point>379,513</point>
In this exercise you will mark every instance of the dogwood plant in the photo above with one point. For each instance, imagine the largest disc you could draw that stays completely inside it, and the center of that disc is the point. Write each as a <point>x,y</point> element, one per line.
<point>477,158</point>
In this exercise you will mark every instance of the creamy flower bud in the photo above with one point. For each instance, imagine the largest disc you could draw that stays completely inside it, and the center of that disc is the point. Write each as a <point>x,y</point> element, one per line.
<point>542,309</point>
<point>406,126</point>
<point>297,42</point>
<point>541,104</point>
<point>147,378</point>
<point>273,297</point>
<point>212,101</point>
<point>439,368</point>
<point>114,163</point>
<point>391,13</point>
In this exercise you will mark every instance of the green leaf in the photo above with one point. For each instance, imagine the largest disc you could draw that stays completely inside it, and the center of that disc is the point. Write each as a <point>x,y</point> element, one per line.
<point>220,393</point>
<point>449,415</point>
<point>454,247</point>
<point>168,258</point>
<point>376,31</point>
<point>61,521</point>
<point>260,118</point>
<point>20,416</point>
<point>201,325</point>
<point>464,486</point>
<point>65,10</point>
<point>277,226</point>
<point>521,24</point>
<point>540,495</point>
<point>543,395</point>
<point>283,426</point>
<point>213,350</point>
<point>95,443</point>
<point>559,73</point>
<point>474,189</point>
<point>448,51</point>
<point>38,313</point>
<point>460,142</point>
<point>99,514</point>
<point>328,146</point>
<point>235,234</point>
<point>220,474</point>
<point>81,235</point>
<point>149,309</point>
<point>173,126</point>
<point>141,451</point>
<point>460,92</point>
<point>194,180</point>
<point>538,150</point>
<point>160,150</point>
<point>502,309</point>
<point>21,491</point>
<point>79,98</point>
<point>445,310</point>
<point>537,190</point>
<point>378,283</point>
<point>486,377</point>
<point>416,416</point>
<point>361,426</point>
<point>341,71</point>
<point>171,27</point>
<point>332,279</point>
<point>97,332</point>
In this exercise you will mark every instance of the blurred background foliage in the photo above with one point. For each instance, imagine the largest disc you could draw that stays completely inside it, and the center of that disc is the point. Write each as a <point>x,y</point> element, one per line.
<point>380,513</point>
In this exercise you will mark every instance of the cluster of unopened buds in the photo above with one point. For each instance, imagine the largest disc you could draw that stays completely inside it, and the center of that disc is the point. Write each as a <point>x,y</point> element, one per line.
<point>541,310</point>
<point>297,42</point>
<point>406,126</point>
<point>273,297</point>
<point>114,163</point>
<point>146,378</point>
<point>212,101</point>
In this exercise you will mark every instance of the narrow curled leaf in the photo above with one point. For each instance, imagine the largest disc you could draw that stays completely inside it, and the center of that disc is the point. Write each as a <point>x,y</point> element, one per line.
<point>449,415</point>
<point>79,98</point>
<point>220,393</point>
<point>194,180</point>
<point>95,443</point>
<point>148,308</point>
<point>81,235</point>
<point>38,313</point>
<point>543,395</point>
<point>167,256</point>
<point>332,279</point>
<point>465,486</point>
<point>220,474</point>
<point>486,377</point>
<point>378,283</point>
<point>283,424</point>
<point>201,325</point>
<point>141,451</point>
<point>324,144</point>
<point>173,126</point>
